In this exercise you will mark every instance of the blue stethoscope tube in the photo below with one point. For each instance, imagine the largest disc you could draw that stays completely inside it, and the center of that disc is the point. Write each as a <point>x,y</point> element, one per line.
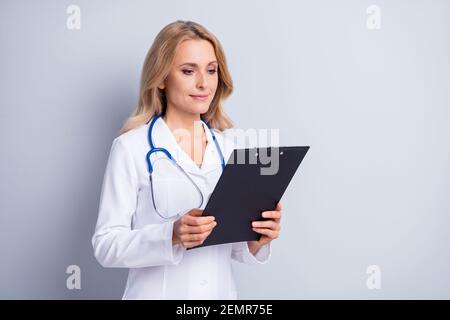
<point>154,149</point>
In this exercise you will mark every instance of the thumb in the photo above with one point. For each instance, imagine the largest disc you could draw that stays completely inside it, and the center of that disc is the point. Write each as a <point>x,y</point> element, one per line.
<point>196,212</point>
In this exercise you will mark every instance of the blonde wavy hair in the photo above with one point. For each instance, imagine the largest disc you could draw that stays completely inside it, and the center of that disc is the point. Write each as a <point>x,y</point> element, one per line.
<point>157,64</point>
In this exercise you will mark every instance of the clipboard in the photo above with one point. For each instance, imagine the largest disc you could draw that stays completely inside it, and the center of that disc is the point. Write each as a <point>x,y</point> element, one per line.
<point>250,184</point>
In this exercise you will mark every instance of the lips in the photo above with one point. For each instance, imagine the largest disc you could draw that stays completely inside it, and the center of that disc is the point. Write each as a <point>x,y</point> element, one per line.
<point>199,96</point>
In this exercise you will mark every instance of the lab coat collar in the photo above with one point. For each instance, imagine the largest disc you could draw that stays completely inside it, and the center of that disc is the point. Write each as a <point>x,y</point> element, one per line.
<point>163,137</point>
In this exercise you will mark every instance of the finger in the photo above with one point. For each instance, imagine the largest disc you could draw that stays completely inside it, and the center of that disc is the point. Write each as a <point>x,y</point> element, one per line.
<point>191,237</point>
<point>197,221</point>
<point>195,236</point>
<point>278,206</point>
<point>267,232</point>
<point>199,239</point>
<point>266,224</point>
<point>199,229</point>
<point>272,214</point>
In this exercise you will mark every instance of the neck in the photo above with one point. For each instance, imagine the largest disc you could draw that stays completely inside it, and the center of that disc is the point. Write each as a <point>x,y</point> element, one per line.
<point>180,120</point>
<point>181,123</point>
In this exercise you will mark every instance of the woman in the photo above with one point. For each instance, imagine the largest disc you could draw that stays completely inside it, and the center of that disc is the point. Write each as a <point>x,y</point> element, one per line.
<point>145,224</point>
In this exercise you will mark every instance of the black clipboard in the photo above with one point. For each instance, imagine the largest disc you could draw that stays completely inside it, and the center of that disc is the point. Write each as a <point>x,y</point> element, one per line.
<point>248,186</point>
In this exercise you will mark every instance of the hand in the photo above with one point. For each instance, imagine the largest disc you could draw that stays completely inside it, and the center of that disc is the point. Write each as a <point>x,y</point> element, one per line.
<point>269,229</point>
<point>192,229</point>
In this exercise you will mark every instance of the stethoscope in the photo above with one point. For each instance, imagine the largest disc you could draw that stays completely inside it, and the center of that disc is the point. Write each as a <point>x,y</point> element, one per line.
<point>154,149</point>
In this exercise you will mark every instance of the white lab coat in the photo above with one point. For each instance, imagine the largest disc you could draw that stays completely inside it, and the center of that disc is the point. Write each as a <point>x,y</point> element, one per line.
<point>129,233</point>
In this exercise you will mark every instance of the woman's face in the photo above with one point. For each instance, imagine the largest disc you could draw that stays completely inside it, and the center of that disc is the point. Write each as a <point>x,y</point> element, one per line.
<point>193,77</point>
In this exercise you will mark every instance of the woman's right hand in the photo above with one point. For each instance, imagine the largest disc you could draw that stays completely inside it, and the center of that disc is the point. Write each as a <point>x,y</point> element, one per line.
<point>192,229</point>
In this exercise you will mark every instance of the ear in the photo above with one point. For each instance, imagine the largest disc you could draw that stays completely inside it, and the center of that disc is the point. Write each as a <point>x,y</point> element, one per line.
<point>162,86</point>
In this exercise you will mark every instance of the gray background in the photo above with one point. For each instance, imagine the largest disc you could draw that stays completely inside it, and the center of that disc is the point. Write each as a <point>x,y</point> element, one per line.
<point>372,104</point>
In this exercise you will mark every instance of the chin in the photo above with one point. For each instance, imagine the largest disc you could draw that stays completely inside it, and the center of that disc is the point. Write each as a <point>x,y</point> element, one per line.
<point>199,109</point>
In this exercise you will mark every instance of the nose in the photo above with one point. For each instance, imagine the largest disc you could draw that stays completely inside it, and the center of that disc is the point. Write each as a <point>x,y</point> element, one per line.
<point>201,81</point>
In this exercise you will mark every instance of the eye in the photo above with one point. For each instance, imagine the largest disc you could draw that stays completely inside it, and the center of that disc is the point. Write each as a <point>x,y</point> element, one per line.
<point>187,72</point>
<point>212,71</point>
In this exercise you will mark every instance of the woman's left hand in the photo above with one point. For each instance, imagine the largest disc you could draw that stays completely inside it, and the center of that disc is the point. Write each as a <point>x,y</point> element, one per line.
<point>269,229</point>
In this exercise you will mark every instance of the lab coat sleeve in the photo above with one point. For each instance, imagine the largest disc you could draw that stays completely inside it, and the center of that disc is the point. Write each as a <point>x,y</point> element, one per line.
<point>241,253</point>
<point>114,243</point>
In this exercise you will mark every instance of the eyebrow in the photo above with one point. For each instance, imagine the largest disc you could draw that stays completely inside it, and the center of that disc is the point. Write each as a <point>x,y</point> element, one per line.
<point>192,64</point>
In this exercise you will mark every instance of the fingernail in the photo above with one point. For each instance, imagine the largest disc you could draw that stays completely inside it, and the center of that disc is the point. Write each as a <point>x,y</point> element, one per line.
<point>254,223</point>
